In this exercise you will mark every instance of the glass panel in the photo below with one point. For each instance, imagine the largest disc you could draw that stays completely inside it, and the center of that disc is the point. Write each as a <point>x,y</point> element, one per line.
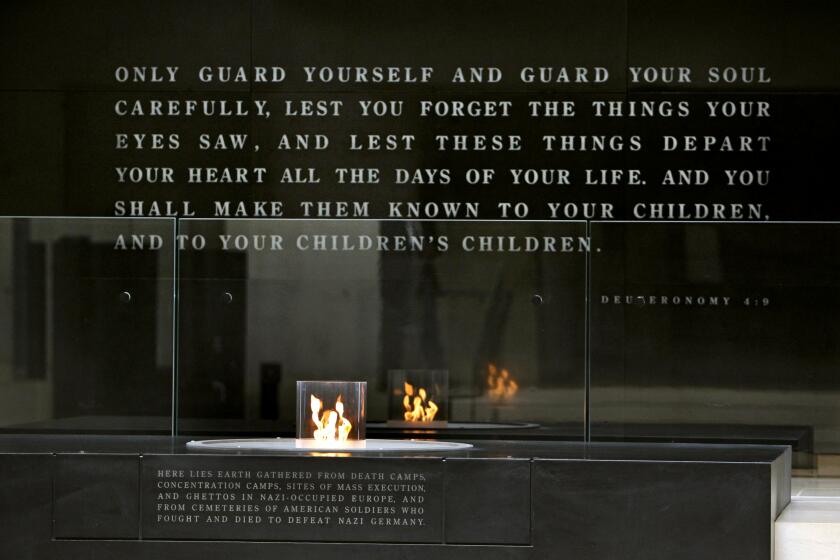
<point>265,303</point>
<point>718,332</point>
<point>86,325</point>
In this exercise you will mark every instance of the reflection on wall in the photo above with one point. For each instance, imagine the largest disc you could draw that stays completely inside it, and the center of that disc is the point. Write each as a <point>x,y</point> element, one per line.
<point>315,314</point>
<point>769,358</point>
<point>25,395</point>
<point>83,327</point>
<point>104,331</point>
<point>212,334</point>
<point>357,314</point>
<point>86,332</point>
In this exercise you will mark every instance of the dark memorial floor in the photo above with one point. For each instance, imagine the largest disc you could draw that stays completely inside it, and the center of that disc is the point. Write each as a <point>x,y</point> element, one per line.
<point>149,497</point>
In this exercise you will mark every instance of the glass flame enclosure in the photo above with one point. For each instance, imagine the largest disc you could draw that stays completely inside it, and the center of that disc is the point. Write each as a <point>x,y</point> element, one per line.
<point>331,412</point>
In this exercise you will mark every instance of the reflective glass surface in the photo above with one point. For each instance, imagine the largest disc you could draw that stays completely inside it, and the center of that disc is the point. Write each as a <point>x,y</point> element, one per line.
<point>727,332</point>
<point>86,326</point>
<point>691,332</point>
<point>353,299</point>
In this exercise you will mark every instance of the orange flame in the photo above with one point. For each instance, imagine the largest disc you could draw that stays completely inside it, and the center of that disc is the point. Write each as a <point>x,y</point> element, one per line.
<point>500,384</point>
<point>415,411</point>
<point>331,425</point>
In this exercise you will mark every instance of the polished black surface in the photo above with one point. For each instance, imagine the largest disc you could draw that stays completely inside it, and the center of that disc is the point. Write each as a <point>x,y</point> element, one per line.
<point>159,445</point>
<point>95,495</point>
<point>658,509</point>
<point>508,499</point>
<point>26,504</point>
<point>488,502</point>
<point>698,34</point>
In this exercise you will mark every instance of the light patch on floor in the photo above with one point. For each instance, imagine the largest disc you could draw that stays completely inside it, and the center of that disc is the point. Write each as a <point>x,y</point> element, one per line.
<point>809,528</point>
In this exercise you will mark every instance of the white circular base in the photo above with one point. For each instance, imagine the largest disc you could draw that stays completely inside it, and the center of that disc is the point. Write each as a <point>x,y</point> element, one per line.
<point>289,444</point>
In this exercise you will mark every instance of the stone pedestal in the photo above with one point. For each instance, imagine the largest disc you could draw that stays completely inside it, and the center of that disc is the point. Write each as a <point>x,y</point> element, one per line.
<point>141,497</point>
